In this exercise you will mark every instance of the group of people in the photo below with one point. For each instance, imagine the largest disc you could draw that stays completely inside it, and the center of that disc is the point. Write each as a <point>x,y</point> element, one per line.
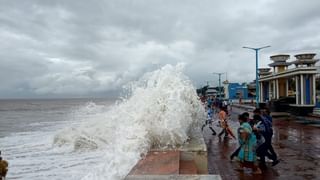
<point>255,136</point>
<point>219,109</point>
<point>3,168</point>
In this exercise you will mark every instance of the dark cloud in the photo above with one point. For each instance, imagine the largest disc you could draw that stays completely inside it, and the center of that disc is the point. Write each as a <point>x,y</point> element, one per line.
<point>91,48</point>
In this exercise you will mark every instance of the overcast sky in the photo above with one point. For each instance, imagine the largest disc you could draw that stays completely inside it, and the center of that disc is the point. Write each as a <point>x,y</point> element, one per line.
<point>78,48</point>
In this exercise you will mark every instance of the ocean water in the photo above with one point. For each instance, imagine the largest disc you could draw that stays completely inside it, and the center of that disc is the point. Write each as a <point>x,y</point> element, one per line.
<point>98,138</point>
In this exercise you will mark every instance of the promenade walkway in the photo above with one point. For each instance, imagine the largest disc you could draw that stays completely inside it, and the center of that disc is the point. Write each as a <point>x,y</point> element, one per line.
<point>297,145</point>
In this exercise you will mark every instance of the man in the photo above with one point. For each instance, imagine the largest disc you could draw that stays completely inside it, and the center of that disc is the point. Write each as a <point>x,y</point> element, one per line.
<point>259,130</point>
<point>267,133</point>
<point>266,115</point>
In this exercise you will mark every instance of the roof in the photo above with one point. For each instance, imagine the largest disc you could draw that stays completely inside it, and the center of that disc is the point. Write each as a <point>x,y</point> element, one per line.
<point>290,73</point>
<point>265,73</point>
<point>280,57</point>
<point>279,63</point>
<point>305,61</point>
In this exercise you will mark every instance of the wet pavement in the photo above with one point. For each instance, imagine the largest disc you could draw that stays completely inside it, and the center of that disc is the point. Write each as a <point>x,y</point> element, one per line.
<point>297,146</point>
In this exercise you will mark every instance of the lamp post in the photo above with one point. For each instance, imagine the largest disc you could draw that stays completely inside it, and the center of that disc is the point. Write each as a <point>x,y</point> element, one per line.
<point>219,84</point>
<point>257,77</point>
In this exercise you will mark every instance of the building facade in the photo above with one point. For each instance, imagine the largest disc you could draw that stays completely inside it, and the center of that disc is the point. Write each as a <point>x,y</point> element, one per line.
<point>287,81</point>
<point>236,91</point>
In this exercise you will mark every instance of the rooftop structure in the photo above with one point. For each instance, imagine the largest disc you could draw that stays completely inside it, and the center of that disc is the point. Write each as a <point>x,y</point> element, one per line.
<point>305,60</point>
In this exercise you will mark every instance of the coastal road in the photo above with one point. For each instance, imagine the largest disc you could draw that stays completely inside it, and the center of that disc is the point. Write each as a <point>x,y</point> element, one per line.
<point>297,145</point>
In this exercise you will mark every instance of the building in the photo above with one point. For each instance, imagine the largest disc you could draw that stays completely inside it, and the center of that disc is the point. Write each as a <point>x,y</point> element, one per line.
<point>211,91</point>
<point>297,83</point>
<point>215,92</point>
<point>236,91</point>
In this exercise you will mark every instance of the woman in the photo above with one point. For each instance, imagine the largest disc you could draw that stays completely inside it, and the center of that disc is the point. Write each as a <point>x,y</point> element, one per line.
<point>247,153</point>
<point>223,122</point>
<point>241,118</point>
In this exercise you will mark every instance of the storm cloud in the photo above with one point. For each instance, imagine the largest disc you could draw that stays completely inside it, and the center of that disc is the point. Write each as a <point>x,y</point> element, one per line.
<point>58,48</point>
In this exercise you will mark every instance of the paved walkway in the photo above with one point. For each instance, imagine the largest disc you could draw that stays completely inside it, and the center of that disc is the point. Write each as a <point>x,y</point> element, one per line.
<point>297,145</point>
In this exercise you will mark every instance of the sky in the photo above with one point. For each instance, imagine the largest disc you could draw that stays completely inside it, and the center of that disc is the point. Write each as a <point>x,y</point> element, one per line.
<point>80,48</point>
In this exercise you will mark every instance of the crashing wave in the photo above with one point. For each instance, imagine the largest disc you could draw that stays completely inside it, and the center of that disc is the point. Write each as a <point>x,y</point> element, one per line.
<point>160,110</point>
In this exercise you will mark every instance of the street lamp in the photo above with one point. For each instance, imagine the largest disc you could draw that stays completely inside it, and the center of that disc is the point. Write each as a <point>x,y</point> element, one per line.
<point>257,83</point>
<point>219,84</point>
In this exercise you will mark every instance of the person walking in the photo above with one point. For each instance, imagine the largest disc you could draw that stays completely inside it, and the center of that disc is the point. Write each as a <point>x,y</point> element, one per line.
<point>223,122</point>
<point>266,116</point>
<point>259,131</point>
<point>247,152</point>
<point>210,114</point>
<point>242,119</point>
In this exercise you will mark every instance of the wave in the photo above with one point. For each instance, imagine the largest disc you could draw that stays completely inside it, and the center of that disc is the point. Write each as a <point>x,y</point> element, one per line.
<point>160,109</point>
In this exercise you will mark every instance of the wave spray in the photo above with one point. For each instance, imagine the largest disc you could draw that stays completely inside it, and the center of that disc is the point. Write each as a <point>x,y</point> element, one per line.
<point>158,110</point>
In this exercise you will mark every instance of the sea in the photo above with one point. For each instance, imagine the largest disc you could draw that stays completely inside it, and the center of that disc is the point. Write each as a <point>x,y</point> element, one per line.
<point>98,138</point>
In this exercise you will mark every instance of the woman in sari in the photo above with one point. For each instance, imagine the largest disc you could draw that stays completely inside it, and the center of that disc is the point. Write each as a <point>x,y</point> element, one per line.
<point>247,153</point>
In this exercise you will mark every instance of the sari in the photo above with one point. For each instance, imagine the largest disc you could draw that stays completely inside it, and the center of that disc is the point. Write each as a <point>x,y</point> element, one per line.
<point>248,144</point>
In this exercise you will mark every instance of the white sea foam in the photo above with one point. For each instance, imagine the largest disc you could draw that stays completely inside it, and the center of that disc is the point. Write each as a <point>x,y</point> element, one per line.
<point>101,142</point>
<point>160,110</point>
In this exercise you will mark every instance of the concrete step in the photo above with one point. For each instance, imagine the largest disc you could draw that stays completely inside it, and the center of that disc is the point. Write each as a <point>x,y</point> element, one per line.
<point>158,163</point>
<point>190,159</point>
<point>280,114</point>
<point>173,177</point>
<point>315,115</point>
<point>316,111</point>
<point>188,167</point>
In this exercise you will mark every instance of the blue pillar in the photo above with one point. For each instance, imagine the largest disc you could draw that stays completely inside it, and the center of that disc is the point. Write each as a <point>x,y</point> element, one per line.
<point>265,91</point>
<point>308,97</point>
